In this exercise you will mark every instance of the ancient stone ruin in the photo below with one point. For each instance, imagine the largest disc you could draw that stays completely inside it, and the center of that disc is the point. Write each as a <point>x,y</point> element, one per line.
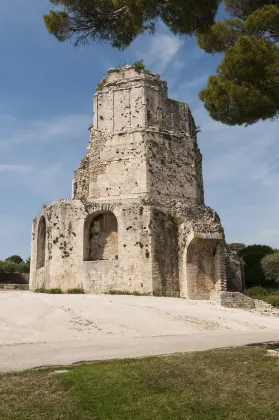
<point>137,219</point>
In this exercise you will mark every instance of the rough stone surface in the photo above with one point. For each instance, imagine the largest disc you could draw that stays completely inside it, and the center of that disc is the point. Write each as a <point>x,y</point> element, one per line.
<point>232,300</point>
<point>137,219</point>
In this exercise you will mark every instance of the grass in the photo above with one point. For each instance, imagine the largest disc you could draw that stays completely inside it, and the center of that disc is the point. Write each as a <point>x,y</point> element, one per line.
<point>76,291</point>
<point>228,384</point>
<point>259,292</point>
<point>125,292</point>
<point>50,291</point>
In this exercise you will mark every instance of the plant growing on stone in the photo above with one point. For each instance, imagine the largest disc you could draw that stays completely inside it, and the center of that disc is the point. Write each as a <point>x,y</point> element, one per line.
<point>139,66</point>
<point>101,85</point>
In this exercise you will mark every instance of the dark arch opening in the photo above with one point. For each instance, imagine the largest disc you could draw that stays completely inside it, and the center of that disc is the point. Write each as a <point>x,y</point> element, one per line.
<point>41,243</point>
<point>101,237</point>
<point>202,267</point>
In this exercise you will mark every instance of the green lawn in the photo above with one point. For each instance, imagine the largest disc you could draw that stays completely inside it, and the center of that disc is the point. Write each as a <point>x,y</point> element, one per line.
<point>229,384</point>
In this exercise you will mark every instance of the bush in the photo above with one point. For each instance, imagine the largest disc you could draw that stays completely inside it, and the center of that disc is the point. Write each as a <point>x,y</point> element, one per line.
<point>270,267</point>
<point>260,293</point>
<point>23,268</point>
<point>236,246</point>
<point>256,292</point>
<point>272,299</point>
<point>251,256</point>
<point>50,291</point>
<point>15,258</point>
<point>124,292</point>
<point>8,266</point>
<point>139,65</point>
<point>76,291</point>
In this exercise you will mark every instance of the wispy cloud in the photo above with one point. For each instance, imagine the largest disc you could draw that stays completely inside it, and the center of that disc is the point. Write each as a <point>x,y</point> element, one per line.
<point>161,51</point>
<point>15,131</point>
<point>241,174</point>
<point>22,169</point>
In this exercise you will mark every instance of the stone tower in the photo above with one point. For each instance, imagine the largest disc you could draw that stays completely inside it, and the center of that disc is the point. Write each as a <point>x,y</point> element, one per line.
<point>137,219</point>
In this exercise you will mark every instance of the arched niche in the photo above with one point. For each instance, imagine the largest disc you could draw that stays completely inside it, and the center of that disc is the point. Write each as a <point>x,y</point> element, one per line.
<point>101,237</point>
<point>202,267</point>
<point>41,243</point>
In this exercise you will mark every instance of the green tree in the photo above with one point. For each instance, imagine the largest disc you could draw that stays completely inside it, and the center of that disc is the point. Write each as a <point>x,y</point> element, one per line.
<point>236,246</point>
<point>121,21</point>
<point>23,267</point>
<point>252,256</point>
<point>270,267</point>
<point>8,266</point>
<point>15,258</point>
<point>28,261</point>
<point>15,264</point>
<point>245,88</point>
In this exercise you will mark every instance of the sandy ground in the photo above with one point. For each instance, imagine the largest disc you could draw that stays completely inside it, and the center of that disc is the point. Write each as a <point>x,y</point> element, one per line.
<point>39,330</point>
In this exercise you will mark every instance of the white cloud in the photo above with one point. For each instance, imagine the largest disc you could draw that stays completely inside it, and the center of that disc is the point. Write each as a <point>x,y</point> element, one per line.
<point>22,169</point>
<point>241,174</point>
<point>15,131</point>
<point>162,49</point>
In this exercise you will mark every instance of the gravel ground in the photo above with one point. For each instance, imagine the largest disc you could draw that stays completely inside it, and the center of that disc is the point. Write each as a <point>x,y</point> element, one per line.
<point>41,329</point>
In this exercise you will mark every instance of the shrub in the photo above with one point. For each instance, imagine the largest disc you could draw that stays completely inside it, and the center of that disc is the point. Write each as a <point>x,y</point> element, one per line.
<point>23,267</point>
<point>272,299</point>
<point>270,267</point>
<point>49,291</point>
<point>236,246</point>
<point>256,292</point>
<point>139,65</point>
<point>15,258</point>
<point>8,266</point>
<point>76,291</point>
<point>260,293</point>
<point>125,292</point>
<point>251,256</point>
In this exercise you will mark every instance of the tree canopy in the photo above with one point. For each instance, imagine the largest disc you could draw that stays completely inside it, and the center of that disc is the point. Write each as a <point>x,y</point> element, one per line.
<point>251,256</point>
<point>121,21</point>
<point>15,264</point>
<point>270,267</point>
<point>245,87</point>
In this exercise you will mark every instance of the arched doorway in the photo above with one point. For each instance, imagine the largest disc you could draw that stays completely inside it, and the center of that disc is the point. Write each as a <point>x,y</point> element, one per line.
<point>202,267</point>
<point>41,243</point>
<point>101,237</point>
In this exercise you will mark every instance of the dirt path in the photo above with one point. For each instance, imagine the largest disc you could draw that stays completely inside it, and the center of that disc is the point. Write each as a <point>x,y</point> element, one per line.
<point>38,330</point>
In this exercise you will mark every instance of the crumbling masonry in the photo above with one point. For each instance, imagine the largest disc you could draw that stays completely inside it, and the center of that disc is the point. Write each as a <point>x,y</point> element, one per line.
<point>137,219</point>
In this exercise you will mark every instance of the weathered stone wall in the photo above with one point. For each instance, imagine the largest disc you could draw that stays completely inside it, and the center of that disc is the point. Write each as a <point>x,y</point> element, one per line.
<point>64,246</point>
<point>144,167</point>
<point>180,159</point>
<point>137,131</point>
<point>232,300</point>
<point>66,265</point>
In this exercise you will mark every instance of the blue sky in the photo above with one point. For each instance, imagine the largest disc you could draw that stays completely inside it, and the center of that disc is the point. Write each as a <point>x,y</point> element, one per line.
<point>46,96</point>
